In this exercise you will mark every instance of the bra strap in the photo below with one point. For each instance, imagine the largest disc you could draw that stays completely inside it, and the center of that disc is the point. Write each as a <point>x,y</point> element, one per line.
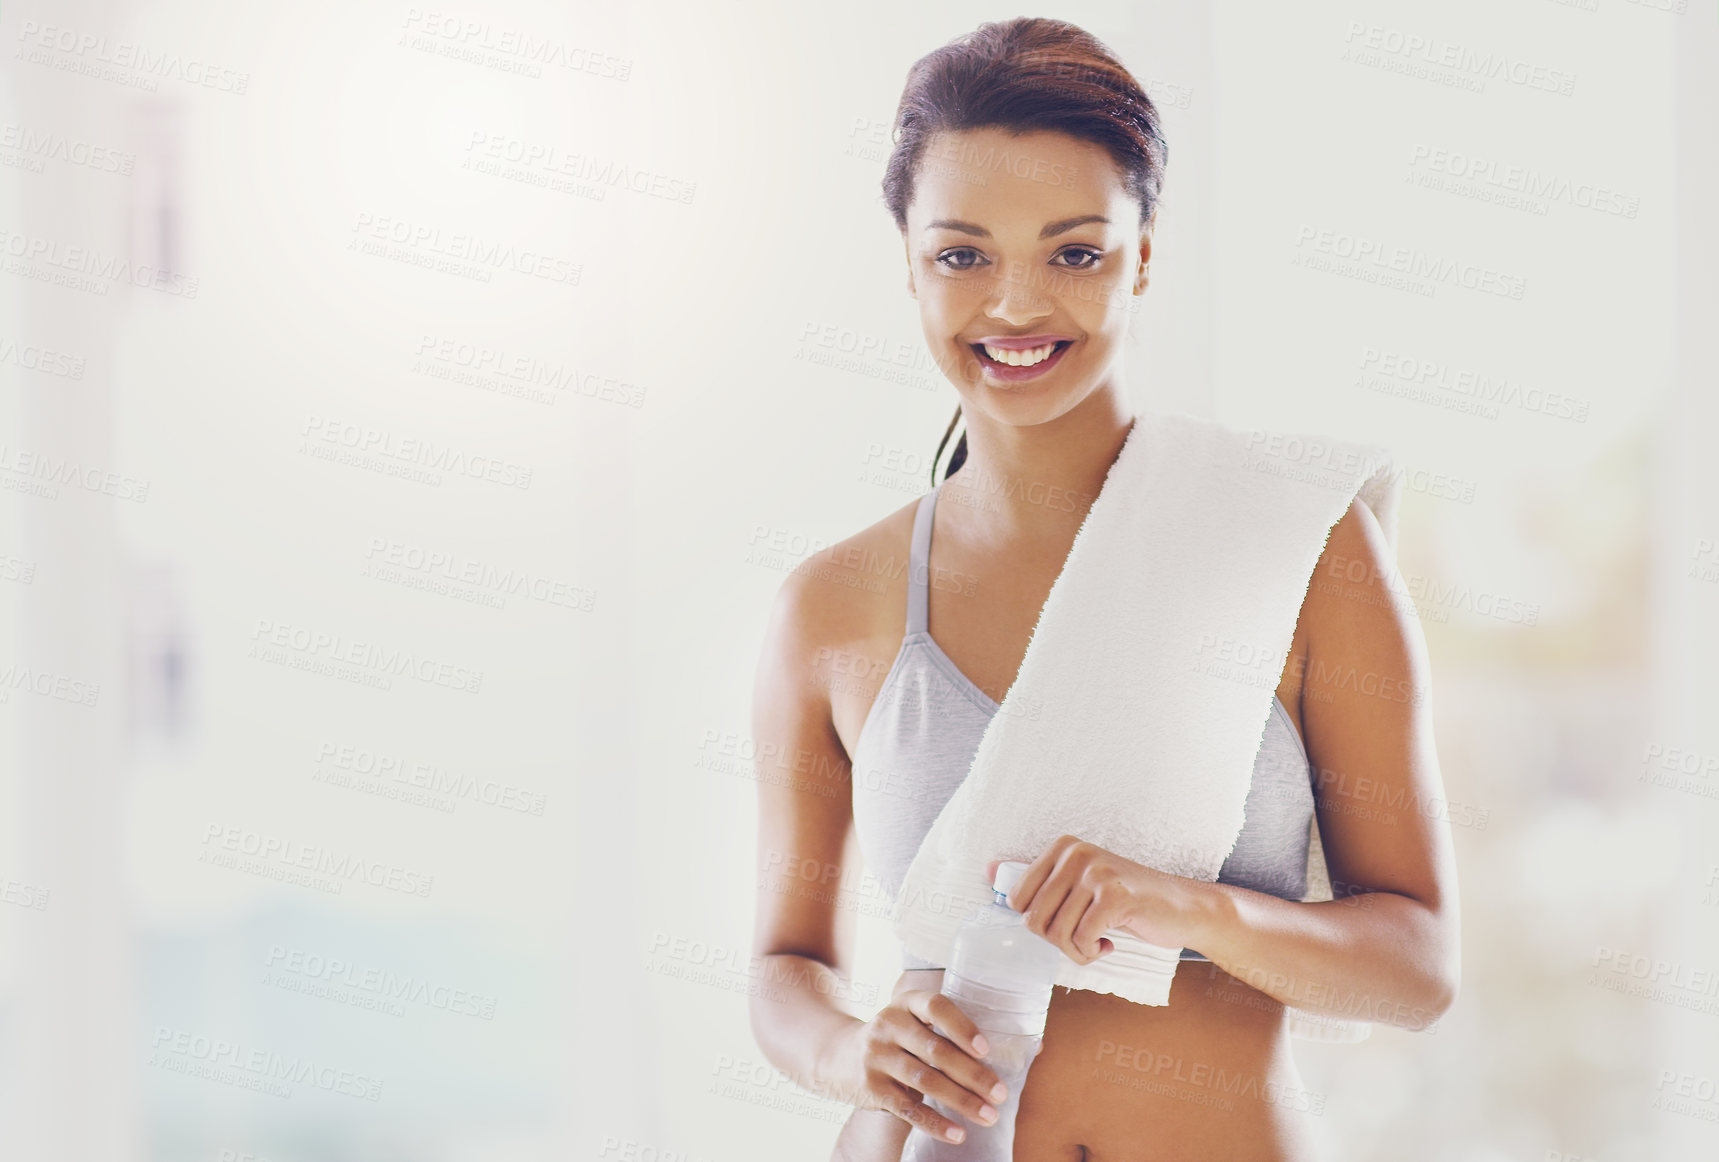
<point>918,563</point>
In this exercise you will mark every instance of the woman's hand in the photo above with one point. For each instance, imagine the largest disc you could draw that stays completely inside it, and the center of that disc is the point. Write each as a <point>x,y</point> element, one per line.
<point>898,1059</point>
<point>1076,891</point>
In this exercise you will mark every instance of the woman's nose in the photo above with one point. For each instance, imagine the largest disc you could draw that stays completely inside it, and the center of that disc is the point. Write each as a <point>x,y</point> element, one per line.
<point>1015,297</point>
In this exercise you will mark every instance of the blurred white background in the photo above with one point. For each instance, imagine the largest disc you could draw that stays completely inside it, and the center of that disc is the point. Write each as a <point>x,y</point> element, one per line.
<point>394,501</point>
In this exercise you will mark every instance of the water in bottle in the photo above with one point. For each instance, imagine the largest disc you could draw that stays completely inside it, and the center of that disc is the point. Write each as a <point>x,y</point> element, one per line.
<point>1000,974</point>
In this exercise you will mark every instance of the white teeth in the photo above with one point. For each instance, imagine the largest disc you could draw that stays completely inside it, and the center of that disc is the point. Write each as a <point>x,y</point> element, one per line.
<point>1020,358</point>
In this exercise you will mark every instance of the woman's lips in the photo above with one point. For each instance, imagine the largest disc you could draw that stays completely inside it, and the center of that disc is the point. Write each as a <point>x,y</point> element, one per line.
<point>1021,342</point>
<point>1007,373</point>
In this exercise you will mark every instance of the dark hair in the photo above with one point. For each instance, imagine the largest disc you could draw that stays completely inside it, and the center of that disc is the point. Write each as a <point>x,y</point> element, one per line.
<point>1024,75</point>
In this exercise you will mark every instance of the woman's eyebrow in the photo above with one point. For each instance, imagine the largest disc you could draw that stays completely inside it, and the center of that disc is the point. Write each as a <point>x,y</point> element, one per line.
<point>1050,231</point>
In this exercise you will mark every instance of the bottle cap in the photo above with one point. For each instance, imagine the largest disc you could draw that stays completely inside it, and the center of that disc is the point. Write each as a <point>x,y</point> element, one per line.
<point>1008,876</point>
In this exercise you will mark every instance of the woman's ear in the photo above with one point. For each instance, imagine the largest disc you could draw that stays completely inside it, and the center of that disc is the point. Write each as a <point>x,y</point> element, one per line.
<point>1141,276</point>
<point>912,291</point>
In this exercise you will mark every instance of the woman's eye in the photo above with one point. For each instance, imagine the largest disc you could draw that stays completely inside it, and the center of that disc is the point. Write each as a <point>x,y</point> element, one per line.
<point>966,258</point>
<point>948,256</point>
<point>1092,256</point>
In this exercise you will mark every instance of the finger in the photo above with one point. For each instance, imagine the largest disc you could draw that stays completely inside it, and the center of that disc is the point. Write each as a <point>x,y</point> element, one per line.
<point>1067,922</point>
<point>907,1105</point>
<point>935,1009</point>
<point>1048,901</point>
<point>957,1062</point>
<point>1088,935</point>
<point>1021,895</point>
<point>1038,871</point>
<point>909,1065</point>
<point>977,1083</point>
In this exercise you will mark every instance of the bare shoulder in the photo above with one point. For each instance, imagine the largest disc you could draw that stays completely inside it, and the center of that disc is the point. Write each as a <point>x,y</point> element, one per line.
<point>1357,605</point>
<point>844,610</point>
<point>845,584</point>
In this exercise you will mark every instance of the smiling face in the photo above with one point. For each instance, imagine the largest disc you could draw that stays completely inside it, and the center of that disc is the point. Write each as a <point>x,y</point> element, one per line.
<point>1026,254</point>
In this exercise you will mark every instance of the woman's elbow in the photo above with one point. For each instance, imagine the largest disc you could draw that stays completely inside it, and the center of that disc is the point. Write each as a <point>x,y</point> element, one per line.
<point>1444,982</point>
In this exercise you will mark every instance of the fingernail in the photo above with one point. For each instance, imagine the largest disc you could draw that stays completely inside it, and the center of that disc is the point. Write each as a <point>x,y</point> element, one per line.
<point>954,1133</point>
<point>987,1114</point>
<point>980,1045</point>
<point>1000,1091</point>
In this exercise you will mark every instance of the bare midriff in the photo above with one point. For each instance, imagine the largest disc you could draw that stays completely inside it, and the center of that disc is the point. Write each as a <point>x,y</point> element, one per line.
<point>1207,1078</point>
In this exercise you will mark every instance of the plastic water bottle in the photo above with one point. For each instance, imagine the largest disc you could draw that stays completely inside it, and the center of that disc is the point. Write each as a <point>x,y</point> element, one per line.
<point>1000,974</point>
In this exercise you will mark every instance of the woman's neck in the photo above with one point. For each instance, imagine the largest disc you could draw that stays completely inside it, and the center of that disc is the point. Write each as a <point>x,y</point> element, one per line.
<point>1036,480</point>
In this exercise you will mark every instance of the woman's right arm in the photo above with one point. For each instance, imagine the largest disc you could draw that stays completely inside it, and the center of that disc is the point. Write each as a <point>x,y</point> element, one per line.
<point>803,941</point>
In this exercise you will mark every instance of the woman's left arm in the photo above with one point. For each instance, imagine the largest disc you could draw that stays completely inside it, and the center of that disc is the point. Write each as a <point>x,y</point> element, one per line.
<point>1388,947</point>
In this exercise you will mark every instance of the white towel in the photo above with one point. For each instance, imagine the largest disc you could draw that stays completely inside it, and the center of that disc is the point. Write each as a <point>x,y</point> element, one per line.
<point>1143,696</point>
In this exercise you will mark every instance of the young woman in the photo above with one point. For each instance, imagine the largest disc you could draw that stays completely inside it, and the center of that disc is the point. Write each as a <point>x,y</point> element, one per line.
<point>1025,181</point>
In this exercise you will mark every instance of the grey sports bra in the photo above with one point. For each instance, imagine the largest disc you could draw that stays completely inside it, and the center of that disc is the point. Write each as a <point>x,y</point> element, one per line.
<point>924,727</point>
